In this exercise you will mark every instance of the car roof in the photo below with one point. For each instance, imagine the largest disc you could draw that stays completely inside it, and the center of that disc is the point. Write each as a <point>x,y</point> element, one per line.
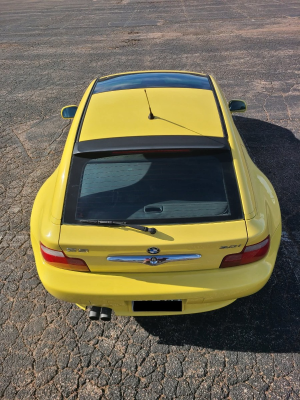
<point>182,104</point>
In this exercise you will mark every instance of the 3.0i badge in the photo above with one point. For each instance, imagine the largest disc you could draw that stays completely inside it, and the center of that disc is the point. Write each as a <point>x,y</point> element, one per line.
<point>153,250</point>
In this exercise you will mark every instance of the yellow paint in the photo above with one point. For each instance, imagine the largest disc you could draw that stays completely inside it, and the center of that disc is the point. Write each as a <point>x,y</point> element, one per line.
<point>205,239</point>
<point>199,283</point>
<point>177,112</point>
<point>101,289</point>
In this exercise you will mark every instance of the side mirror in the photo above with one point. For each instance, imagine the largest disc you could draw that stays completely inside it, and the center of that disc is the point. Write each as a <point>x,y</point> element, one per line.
<point>237,106</point>
<point>68,112</point>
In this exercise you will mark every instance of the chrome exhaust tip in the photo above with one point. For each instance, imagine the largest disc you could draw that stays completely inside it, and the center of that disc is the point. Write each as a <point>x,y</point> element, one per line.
<point>105,314</point>
<point>94,313</point>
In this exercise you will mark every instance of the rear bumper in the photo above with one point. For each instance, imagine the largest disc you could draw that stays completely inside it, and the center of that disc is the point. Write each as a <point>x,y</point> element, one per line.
<point>200,290</point>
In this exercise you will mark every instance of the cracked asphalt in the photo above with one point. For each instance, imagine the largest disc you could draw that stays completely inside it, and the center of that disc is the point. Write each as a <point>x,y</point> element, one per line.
<point>50,51</point>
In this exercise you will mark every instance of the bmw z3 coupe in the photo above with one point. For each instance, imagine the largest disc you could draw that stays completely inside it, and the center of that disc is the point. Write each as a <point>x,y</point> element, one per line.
<point>156,207</point>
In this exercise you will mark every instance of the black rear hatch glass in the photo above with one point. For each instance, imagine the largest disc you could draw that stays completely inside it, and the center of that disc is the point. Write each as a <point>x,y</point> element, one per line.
<point>159,187</point>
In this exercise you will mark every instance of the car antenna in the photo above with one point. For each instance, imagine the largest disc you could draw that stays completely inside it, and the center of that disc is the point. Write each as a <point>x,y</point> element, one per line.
<point>150,116</point>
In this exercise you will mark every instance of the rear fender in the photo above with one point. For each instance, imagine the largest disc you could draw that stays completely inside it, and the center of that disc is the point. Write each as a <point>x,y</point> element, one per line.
<point>260,203</point>
<point>42,229</point>
<point>268,217</point>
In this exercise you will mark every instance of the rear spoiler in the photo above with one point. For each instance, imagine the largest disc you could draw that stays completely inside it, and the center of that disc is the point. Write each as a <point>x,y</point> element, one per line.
<point>155,142</point>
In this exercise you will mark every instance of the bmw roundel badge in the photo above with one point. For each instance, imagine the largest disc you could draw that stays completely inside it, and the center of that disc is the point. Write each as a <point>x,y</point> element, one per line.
<point>153,250</point>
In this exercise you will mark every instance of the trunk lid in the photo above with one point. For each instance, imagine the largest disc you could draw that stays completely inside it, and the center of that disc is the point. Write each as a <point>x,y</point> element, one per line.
<point>213,241</point>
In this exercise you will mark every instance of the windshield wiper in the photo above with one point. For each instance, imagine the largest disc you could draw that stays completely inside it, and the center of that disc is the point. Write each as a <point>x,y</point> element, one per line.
<point>112,223</point>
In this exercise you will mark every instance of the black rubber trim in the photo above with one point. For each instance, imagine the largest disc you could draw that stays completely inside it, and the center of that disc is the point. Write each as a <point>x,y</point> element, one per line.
<point>84,111</point>
<point>218,107</point>
<point>159,142</point>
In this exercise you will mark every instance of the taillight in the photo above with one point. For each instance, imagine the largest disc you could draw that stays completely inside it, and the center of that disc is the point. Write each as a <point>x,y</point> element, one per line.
<point>249,254</point>
<point>60,260</point>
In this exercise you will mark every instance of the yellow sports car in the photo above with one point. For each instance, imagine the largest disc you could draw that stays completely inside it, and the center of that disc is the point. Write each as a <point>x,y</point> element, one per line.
<point>156,207</point>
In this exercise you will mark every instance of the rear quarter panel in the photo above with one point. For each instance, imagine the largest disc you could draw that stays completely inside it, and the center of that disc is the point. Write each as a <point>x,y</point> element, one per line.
<point>268,217</point>
<point>42,229</point>
<point>260,203</point>
<point>48,205</point>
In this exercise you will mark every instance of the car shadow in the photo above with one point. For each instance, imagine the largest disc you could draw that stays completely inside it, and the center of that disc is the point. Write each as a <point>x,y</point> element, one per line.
<point>267,321</point>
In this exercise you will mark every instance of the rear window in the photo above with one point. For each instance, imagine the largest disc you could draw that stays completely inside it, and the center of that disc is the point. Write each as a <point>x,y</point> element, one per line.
<point>162,187</point>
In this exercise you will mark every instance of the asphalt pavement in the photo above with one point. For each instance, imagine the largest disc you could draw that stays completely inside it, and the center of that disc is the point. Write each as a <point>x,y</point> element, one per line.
<point>50,51</point>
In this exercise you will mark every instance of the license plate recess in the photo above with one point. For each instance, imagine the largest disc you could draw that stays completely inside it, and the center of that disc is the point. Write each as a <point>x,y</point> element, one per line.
<point>157,305</point>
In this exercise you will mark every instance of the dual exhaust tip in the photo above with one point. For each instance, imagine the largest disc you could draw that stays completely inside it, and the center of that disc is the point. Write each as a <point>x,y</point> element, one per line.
<point>102,313</point>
